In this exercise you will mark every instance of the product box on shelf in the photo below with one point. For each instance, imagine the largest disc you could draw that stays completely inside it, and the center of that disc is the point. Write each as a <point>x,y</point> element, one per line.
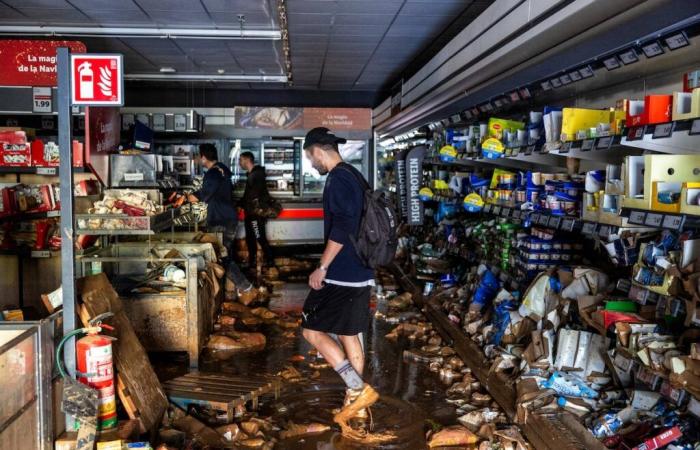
<point>652,110</point>
<point>16,155</point>
<point>578,122</point>
<point>634,183</point>
<point>686,105</point>
<point>654,182</point>
<point>48,154</point>
<point>690,198</point>
<point>8,200</point>
<point>615,179</point>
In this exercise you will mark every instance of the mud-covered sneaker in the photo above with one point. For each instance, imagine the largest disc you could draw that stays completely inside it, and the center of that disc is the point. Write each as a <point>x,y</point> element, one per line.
<point>367,397</point>
<point>350,396</point>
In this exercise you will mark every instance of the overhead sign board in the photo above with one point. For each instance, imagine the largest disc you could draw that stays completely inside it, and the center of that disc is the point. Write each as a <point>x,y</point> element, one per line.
<point>31,63</point>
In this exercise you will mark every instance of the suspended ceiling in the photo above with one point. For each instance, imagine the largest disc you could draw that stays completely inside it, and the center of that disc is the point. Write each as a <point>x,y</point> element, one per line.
<point>348,46</point>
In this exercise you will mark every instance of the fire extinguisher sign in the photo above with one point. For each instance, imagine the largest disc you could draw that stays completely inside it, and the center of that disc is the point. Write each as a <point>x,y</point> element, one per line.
<point>97,79</point>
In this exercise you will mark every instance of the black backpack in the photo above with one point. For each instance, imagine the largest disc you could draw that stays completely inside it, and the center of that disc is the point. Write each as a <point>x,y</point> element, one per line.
<point>376,240</point>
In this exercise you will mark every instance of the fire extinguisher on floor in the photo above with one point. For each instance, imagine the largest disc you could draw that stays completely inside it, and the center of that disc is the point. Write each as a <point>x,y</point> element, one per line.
<point>95,368</point>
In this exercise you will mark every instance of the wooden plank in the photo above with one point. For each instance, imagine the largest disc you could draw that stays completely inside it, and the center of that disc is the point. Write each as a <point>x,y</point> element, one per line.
<point>130,359</point>
<point>230,380</point>
<point>210,390</point>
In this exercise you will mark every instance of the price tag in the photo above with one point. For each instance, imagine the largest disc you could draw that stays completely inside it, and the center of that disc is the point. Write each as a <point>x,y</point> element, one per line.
<point>514,97</point>
<point>48,123</point>
<point>56,213</point>
<point>635,133</point>
<point>588,228</point>
<point>575,76</point>
<point>695,127</point>
<point>587,145</point>
<point>506,212</point>
<point>534,218</point>
<point>629,57</point>
<point>158,122</point>
<point>516,151</point>
<point>604,231</point>
<point>611,63</point>
<point>41,254</point>
<point>637,217</point>
<point>455,118</point>
<point>663,130</point>
<point>496,210</point>
<point>498,102</point>
<point>568,224</point>
<point>488,208</point>
<point>508,152</point>
<point>555,82</point>
<point>554,222</point>
<point>543,220</point>
<point>517,214</point>
<point>180,122</point>
<point>653,220</point>
<point>127,121</point>
<point>11,123</point>
<point>673,222</point>
<point>46,171</point>
<point>604,143</point>
<point>136,176</point>
<point>41,100</point>
<point>586,72</point>
<point>546,86</point>
<point>566,147</point>
<point>565,79</point>
<point>529,149</point>
<point>653,49</point>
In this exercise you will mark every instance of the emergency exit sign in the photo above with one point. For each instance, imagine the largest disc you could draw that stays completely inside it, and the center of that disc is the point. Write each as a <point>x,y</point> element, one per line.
<point>97,79</point>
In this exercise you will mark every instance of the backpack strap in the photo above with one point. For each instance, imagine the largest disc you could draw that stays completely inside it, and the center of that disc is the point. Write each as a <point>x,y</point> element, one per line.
<point>355,173</point>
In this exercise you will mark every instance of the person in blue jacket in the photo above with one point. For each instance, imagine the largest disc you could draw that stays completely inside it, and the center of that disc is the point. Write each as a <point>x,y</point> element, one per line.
<point>217,193</point>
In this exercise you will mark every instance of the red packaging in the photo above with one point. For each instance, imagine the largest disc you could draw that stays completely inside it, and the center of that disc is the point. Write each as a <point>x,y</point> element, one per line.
<point>16,155</point>
<point>78,154</point>
<point>13,137</point>
<point>87,187</point>
<point>37,147</point>
<point>658,108</point>
<point>8,202</point>
<point>661,440</point>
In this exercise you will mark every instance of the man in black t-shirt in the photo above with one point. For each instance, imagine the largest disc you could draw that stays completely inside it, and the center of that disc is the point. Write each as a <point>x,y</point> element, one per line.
<point>338,303</point>
<point>255,195</point>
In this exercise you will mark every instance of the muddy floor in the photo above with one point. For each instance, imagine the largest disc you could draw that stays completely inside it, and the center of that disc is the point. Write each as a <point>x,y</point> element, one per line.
<point>412,397</point>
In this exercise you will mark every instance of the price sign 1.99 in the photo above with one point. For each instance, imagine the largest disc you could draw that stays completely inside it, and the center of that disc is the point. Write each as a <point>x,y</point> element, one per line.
<point>41,100</point>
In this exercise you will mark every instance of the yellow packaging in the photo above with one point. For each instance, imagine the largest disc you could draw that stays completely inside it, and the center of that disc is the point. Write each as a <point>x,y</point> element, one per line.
<point>579,119</point>
<point>110,445</point>
<point>14,315</point>
<point>497,127</point>
<point>498,175</point>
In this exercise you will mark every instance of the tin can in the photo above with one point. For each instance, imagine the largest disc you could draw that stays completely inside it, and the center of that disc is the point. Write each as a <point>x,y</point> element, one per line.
<point>429,286</point>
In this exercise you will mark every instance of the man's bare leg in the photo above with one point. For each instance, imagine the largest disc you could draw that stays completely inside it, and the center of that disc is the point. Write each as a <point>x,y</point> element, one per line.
<point>326,346</point>
<point>353,350</point>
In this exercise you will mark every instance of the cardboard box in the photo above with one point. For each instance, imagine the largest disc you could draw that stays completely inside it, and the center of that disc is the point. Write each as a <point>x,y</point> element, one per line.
<point>579,120</point>
<point>690,198</point>
<point>16,155</point>
<point>686,105</point>
<point>643,171</point>
<point>634,183</point>
<point>654,109</point>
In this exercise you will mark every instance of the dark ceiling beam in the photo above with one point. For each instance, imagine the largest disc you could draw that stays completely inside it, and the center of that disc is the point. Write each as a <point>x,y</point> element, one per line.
<point>212,97</point>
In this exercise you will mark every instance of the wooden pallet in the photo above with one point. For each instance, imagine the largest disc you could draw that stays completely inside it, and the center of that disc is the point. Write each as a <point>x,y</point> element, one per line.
<point>219,392</point>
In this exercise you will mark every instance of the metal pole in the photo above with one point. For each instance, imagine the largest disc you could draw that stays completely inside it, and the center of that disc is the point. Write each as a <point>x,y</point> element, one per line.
<point>65,144</point>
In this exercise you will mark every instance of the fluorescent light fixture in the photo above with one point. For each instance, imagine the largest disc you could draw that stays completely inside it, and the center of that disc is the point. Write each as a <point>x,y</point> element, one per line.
<point>676,41</point>
<point>652,49</point>
<point>629,57</point>
<point>241,78</point>
<point>173,33</point>
<point>167,70</point>
<point>612,63</point>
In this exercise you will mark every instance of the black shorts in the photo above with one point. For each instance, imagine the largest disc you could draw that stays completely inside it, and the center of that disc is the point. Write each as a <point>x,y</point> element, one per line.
<point>337,309</point>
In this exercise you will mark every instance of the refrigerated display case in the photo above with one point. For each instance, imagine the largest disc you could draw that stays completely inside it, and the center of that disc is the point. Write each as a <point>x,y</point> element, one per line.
<point>353,152</point>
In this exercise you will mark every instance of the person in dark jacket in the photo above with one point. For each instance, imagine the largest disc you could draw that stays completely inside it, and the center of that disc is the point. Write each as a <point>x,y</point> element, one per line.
<point>217,193</point>
<point>255,195</point>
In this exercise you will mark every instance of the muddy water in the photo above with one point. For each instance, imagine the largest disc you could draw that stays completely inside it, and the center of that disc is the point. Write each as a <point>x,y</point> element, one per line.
<point>411,395</point>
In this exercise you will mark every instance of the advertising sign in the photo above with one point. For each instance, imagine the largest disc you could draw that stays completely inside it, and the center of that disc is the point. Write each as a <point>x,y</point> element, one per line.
<point>338,119</point>
<point>101,138</point>
<point>400,172</point>
<point>97,80</point>
<point>31,63</point>
<point>414,174</point>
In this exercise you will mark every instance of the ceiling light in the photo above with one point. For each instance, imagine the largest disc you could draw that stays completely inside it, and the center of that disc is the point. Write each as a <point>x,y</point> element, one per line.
<point>116,32</point>
<point>167,70</point>
<point>241,78</point>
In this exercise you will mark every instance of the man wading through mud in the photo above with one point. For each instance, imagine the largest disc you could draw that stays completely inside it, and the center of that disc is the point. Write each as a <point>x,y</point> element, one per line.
<point>340,287</point>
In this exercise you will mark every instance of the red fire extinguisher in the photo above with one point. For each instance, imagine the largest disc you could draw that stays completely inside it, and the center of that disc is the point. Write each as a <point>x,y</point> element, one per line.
<point>95,368</point>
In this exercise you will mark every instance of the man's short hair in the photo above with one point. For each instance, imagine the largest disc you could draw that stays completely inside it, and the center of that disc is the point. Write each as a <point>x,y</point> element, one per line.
<point>248,155</point>
<point>209,152</point>
<point>328,147</point>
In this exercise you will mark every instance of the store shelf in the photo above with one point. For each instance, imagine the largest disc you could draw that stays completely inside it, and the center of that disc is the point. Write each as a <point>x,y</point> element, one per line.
<point>25,252</point>
<point>545,431</point>
<point>49,171</point>
<point>674,137</point>
<point>133,225</point>
<point>31,216</point>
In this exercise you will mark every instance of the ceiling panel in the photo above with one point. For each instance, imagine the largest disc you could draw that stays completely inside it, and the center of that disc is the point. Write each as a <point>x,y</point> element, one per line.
<point>376,20</point>
<point>173,19</point>
<point>358,30</point>
<point>90,6</point>
<point>56,16</point>
<point>8,13</point>
<point>310,19</point>
<point>53,4</point>
<point>178,6</point>
<point>109,17</point>
<point>237,6</point>
<point>252,19</point>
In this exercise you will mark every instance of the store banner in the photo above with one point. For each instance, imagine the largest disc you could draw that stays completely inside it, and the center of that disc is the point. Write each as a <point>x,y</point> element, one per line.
<point>338,119</point>
<point>414,175</point>
<point>102,134</point>
<point>400,172</point>
<point>268,117</point>
<point>31,63</point>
